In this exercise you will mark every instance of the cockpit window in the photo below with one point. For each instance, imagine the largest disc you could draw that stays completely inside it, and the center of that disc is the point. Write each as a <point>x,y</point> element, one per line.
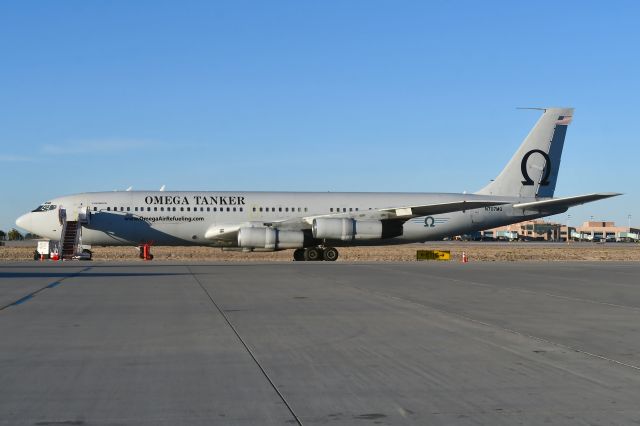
<point>45,207</point>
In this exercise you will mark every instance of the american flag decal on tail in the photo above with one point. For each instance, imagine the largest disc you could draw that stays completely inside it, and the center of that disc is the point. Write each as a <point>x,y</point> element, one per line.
<point>564,120</point>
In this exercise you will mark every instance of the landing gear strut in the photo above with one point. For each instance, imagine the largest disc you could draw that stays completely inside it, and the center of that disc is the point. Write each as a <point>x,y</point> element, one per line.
<point>329,254</point>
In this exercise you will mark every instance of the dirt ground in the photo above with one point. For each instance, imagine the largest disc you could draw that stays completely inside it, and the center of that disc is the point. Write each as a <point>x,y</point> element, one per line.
<point>484,252</point>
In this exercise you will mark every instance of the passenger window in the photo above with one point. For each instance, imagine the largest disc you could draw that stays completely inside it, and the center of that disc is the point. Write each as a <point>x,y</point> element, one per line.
<point>181,209</point>
<point>305,209</point>
<point>188,209</point>
<point>356,209</point>
<point>215,209</point>
<point>228,209</point>
<point>344,209</point>
<point>331,209</point>
<point>260,208</point>
<point>350,209</point>
<point>273,209</point>
<point>155,209</point>
<point>234,209</point>
<point>279,209</point>
<point>286,209</point>
<point>95,209</point>
<point>299,209</point>
<point>161,209</point>
<point>108,209</point>
<point>208,209</point>
<point>254,209</point>
<point>148,209</point>
<point>241,208</point>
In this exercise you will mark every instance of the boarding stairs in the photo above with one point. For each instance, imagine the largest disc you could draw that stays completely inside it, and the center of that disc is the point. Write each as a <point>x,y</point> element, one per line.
<point>71,236</point>
<point>70,240</point>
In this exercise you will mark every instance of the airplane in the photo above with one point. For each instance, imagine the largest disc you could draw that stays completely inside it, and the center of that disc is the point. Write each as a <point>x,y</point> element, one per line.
<point>313,223</point>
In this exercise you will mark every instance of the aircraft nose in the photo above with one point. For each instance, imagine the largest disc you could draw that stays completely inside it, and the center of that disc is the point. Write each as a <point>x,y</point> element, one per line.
<point>24,221</point>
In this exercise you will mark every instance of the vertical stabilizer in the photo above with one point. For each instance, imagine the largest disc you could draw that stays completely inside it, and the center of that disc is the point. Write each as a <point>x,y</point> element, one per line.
<point>533,170</point>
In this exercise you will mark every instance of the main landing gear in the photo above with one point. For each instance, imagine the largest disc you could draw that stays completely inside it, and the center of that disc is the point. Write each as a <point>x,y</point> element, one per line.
<point>330,254</point>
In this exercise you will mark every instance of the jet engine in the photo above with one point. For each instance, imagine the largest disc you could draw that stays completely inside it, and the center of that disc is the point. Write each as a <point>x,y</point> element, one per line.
<point>270,238</point>
<point>350,229</point>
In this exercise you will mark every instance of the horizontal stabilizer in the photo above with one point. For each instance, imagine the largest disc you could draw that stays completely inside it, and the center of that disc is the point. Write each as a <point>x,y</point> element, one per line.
<point>565,202</point>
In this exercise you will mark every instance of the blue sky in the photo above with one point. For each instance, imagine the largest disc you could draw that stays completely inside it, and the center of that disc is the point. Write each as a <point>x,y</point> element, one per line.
<point>312,96</point>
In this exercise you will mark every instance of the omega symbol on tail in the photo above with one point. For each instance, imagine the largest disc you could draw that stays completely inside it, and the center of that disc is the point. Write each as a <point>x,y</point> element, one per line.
<point>547,168</point>
<point>429,222</point>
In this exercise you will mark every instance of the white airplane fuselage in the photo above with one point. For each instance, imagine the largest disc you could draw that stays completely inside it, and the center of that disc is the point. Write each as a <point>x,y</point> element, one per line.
<point>184,218</point>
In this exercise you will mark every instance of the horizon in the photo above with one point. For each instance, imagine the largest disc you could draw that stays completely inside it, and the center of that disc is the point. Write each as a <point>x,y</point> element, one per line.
<point>329,97</point>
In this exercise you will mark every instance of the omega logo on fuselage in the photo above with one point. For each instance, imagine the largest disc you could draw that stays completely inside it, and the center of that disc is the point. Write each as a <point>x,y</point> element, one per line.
<point>198,200</point>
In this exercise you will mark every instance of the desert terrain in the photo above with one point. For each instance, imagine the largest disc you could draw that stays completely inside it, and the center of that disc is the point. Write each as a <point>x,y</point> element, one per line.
<point>476,252</point>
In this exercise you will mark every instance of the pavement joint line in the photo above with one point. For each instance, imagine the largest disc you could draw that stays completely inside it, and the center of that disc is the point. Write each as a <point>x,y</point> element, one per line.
<point>249,351</point>
<point>50,285</point>
<point>486,324</point>
<point>558,296</point>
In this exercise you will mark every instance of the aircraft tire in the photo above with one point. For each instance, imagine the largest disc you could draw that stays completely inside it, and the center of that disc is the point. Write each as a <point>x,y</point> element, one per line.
<point>312,254</point>
<point>330,254</point>
<point>298,255</point>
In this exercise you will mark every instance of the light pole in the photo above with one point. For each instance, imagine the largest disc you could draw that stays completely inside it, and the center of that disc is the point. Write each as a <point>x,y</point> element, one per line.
<point>629,219</point>
<point>568,228</point>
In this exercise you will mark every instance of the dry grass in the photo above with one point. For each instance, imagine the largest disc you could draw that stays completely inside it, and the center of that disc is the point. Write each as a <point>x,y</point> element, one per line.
<point>403,253</point>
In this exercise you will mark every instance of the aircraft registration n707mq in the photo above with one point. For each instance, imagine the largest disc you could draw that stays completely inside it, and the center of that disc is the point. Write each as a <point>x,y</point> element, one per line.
<point>314,223</point>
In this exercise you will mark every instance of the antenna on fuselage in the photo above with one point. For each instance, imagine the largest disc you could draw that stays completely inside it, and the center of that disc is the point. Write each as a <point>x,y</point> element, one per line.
<point>129,188</point>
<point>162,187</point>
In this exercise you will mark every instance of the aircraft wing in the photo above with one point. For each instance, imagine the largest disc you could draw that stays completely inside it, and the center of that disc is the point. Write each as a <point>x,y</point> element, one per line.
<point>401,213</point>
<point>439,208</point>
<point>565,202</point>
<point>229,232</point>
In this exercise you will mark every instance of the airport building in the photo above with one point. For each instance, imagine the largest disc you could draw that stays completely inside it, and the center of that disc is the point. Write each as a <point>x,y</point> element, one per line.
<point>540,230</point>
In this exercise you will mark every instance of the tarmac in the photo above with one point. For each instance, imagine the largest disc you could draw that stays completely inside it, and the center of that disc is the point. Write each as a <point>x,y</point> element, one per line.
<point>425,343</point>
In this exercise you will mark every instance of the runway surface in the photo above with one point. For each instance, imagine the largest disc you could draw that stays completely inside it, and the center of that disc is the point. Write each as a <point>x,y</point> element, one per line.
<point>319,343</point>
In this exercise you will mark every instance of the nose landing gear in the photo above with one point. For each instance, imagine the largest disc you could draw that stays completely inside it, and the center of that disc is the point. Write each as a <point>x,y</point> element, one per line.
<point>329,254</point>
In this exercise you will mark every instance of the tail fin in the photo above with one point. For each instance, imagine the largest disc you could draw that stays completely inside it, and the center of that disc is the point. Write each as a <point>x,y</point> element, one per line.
<point>533,170</point>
